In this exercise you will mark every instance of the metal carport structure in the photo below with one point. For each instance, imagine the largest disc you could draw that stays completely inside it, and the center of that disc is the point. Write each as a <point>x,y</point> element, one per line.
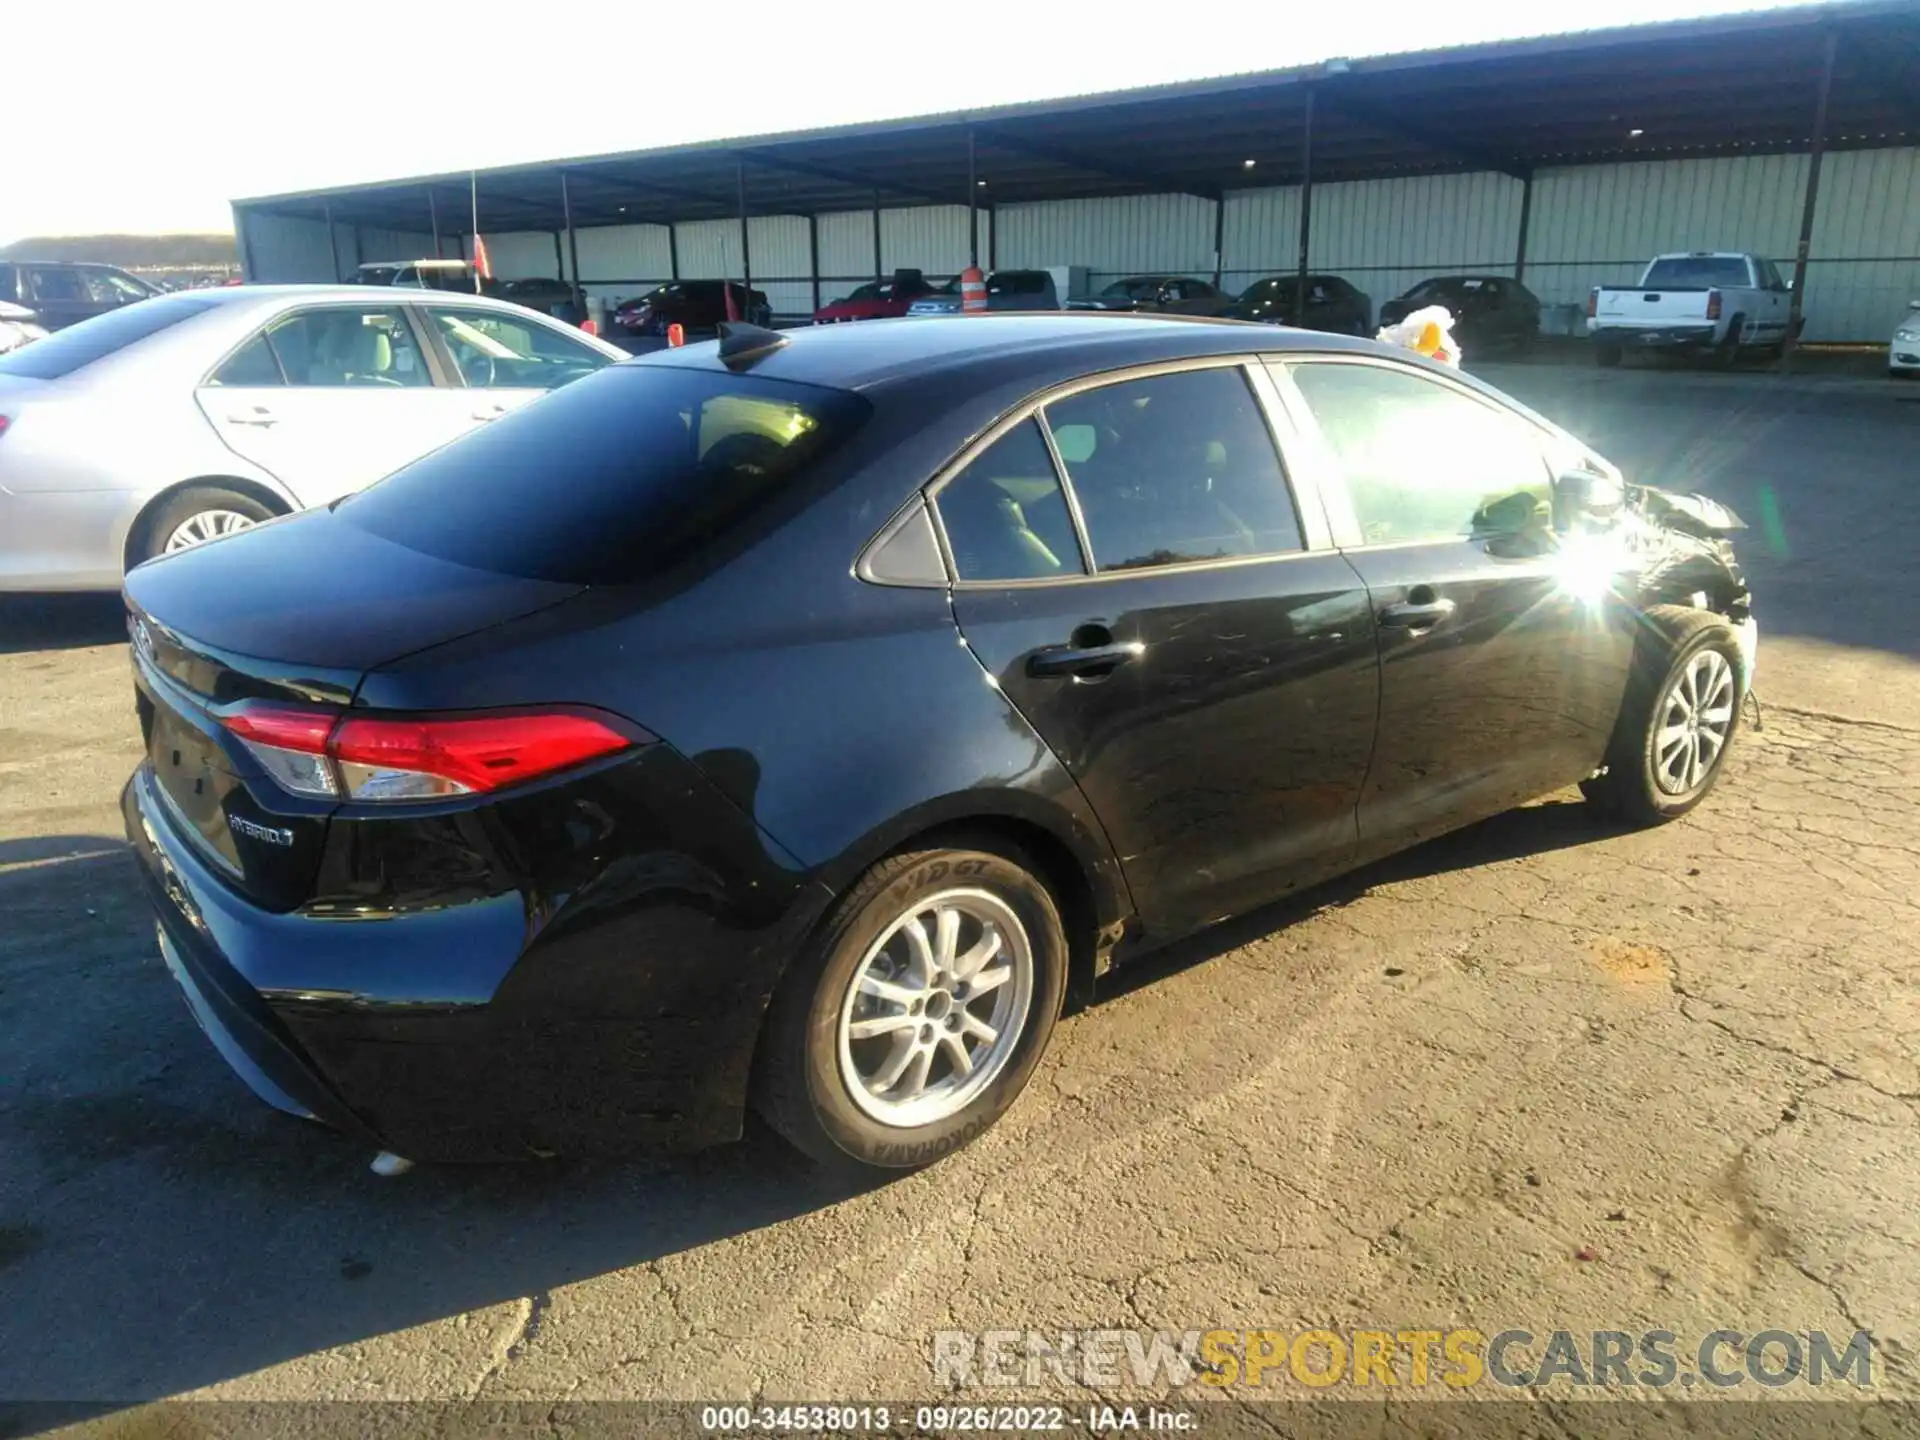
<point>1806,81</point>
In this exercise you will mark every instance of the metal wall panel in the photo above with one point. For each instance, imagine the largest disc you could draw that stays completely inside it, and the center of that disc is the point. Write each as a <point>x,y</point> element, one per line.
<point>1260,234</point>
<point>637,257</point>
<point>285,249</point>
<point>846,250</point>
<point>522,255</point>
<point>1865,258</point>
<point>1115,236</point>
<point>932,238</point>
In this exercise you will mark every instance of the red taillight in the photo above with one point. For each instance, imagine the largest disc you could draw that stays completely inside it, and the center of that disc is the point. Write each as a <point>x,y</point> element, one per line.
<point>325,753</point>
<point>1593,303</point>
<point>1713,304</point>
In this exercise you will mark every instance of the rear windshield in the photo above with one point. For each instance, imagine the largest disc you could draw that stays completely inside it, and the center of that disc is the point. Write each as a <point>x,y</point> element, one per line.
<point>65,351</point>
<point>1696,272</point>
<point>1017,282</point>
<point>611,479</point>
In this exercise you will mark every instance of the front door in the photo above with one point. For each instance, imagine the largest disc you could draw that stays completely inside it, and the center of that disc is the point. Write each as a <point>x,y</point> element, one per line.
<point>1208,679</point>
<point>1500,676</point>
<point>329,399</point>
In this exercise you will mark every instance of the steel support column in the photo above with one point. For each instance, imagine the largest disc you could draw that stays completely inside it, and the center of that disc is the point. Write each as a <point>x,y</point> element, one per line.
<point>473,198</point>
<point>973,221</point>
<point>1811,204</point>
<point>1526,219</point>
<point>433,220</point>
<point>673,251</point>
<point>333,240</point>
<point>813,256</point>
<point>1219,237</point>
<point>573,244</point>
<point>878,274</point>
<point>1306,212</point>
<point>746,259</point>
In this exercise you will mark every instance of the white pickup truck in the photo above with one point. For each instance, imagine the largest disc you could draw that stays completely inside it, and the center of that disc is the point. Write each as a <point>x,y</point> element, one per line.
<point>1723,303</point>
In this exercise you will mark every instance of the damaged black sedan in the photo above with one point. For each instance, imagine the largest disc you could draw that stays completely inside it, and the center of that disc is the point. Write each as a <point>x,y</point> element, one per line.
<point>793,721</point>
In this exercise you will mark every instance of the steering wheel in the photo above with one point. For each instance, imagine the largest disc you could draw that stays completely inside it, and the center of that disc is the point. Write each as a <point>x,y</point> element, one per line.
<point>475,359</point>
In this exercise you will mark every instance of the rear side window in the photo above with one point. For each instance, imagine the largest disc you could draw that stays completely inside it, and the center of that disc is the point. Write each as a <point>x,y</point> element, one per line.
<point>610,479</point>
<point>1005,516</point>
<point>1175,468</point>
<point>1018,282</point>
<point>65,351</point>
<point>251,365</point>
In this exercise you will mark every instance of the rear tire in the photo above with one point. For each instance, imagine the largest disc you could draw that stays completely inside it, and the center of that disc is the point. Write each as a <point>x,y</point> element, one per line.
<point>206,511</point>
<point>1677,721</point>
<point>865,1002</point>
<point>1607,356</point>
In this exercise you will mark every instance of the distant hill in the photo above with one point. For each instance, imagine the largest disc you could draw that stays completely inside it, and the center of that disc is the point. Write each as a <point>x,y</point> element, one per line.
<point>130,252</point>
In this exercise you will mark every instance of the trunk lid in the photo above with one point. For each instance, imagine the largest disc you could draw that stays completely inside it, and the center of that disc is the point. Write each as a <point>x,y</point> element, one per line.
<point>296,611</point>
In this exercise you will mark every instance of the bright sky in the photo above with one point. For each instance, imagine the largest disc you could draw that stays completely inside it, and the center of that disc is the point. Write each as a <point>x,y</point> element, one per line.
<point>154,120</point>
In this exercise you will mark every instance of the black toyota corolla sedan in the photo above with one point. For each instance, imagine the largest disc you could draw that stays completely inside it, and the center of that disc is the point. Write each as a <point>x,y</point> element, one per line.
<point>792,721</point>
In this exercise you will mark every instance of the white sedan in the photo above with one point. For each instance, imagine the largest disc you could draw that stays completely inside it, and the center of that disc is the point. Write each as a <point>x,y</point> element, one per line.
<point>1903,352</point>
<point>182,418</point>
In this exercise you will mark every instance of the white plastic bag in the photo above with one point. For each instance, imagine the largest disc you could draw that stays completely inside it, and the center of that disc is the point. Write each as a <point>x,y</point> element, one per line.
<point>1428,332</point>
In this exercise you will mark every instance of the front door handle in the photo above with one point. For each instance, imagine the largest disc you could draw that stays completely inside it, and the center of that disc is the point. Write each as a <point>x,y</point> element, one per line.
<point>1083,662</point>
<point>1412,615</point>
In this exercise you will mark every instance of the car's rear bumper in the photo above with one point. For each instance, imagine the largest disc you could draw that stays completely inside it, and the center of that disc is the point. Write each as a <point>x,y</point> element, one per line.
<point>1662,336</point>
<point>476,1030</point>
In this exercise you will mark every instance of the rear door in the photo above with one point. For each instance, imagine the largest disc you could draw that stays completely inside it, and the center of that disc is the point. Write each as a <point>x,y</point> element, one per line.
<point>1177,627</point>
<point>58,294</point>
<point>1499,680</point>
<point>329,398</point>
<point>503,360</point>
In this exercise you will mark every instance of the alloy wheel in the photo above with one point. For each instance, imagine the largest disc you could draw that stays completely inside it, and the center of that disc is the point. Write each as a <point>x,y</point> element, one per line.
<point>203,526</point>
<point>936,1008</point>
<point>1695,719</point>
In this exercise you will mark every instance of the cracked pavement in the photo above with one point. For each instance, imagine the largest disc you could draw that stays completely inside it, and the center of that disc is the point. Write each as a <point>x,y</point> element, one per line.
<point>1413,1100</point>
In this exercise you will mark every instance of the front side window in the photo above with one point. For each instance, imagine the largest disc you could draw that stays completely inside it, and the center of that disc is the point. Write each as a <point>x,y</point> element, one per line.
<point>1175,468</point>
<point>1423,461</point>
<point>499,351</point>
<point>110,287</point>
<point>366,348</point>
<point>1005,515</point>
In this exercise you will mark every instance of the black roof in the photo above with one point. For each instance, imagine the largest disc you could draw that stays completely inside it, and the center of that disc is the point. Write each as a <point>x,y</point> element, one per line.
<point>877,353</point>
<point>1728,85</point>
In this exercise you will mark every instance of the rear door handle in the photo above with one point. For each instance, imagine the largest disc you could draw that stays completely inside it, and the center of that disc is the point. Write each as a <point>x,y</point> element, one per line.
<point>1083,662</point>
<point>259,415</point>
<point>490,412</point>
<point>1410,616</point>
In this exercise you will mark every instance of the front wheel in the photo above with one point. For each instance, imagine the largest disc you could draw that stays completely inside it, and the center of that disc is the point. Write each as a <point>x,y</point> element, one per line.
<point>1678,720</point>
<point>918,1016</point>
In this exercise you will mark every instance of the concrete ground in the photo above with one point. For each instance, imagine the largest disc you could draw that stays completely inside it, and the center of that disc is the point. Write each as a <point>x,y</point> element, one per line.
<point>1537,1075</point>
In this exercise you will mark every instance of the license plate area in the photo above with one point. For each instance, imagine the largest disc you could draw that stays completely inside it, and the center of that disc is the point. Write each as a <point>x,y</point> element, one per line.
<point>196,781</point>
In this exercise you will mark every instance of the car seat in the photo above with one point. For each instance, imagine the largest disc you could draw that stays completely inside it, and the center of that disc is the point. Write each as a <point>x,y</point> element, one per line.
<point>990,536</point>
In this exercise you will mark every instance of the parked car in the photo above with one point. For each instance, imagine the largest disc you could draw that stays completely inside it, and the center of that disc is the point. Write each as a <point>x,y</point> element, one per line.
<point>877,300</point>
<point>1490,312</point>
<point>193,415</point>
<point>1333,305</point>
<point>1166,294</point>
<point>18,327</point>
<point>1723,304</point>
<point>738,723</point>
<point>429,274</point>
<point>697,306</point>
<point>547,295</point>
<point>1903,351</point>
<point>61,293</point>
<point>1006,290</point>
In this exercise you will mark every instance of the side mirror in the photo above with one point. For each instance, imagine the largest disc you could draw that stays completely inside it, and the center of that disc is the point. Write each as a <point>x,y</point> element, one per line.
<point>1589,493</point>
<point>1913,304</point>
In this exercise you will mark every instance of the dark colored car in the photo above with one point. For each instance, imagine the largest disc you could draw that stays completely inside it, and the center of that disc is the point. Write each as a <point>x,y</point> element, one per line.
<point>796,719</point>
<point>60,293</point>
<point>698,306</point>
<point>1006,290</point>
<point>1162,294</point>
<point>1333,305</point>
<point>1490,312</point>
<point>878,300</point>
